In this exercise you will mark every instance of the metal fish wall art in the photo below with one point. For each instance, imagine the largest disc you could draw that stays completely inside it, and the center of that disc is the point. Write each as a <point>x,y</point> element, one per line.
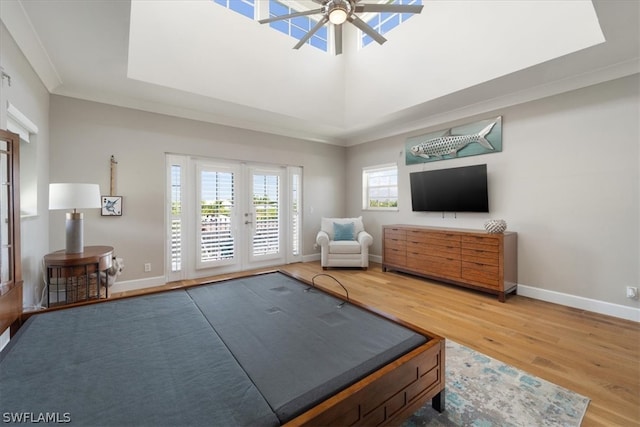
<point>451,142</point>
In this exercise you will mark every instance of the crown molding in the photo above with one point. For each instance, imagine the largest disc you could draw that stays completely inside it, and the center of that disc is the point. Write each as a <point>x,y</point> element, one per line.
<point>14,17</point>
<point>433,115</point>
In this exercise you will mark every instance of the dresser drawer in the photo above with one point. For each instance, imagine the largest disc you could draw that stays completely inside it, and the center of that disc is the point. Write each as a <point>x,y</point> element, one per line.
<point>433,238</point>
<point>486,243</point>
<point>395,256</point>
<point>482,274</point>
<point>441,251</point>
<point>433,266</point>
<point>480,256</point>
<point>395,244</point>
<point>434,245</point>
<point>395,233</point>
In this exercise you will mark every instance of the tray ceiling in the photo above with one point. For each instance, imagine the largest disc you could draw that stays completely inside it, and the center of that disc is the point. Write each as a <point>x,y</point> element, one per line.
<point>201,61</point>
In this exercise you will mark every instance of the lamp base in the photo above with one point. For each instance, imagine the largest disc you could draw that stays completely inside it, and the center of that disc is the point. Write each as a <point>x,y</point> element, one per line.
<point>74,233</point>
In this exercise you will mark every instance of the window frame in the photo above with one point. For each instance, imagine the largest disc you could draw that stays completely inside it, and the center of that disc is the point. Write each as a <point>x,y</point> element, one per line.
<point>246,8</point>
<point>366,185</point>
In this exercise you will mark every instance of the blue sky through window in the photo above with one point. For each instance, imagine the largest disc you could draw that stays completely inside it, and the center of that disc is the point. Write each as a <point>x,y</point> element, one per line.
<point>298,27</point>
<point>243,7</point>
<point>385,22</point>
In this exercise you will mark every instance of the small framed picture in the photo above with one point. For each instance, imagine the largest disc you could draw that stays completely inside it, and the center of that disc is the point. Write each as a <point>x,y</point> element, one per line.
<point>111,206</point>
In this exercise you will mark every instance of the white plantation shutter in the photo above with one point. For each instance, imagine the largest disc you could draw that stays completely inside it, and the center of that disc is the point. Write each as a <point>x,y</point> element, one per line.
<point>217,202</point>
<point>295,213</point>
<point>266,208</point>
<point>176,218</point>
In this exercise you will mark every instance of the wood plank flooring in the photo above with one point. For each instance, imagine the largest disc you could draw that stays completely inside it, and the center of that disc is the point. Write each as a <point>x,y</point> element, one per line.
<point>595,355</point>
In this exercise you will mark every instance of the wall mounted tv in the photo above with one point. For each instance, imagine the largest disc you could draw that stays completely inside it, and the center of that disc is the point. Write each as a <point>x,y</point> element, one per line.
<point>462,189</point>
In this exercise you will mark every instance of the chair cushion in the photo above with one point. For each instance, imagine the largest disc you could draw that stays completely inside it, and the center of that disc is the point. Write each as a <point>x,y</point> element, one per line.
<point>344,247</point>
<point>343,231</point>
<point>326,225</point>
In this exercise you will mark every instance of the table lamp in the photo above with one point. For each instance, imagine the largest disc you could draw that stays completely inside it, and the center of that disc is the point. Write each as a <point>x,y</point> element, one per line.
<point>74,196</point>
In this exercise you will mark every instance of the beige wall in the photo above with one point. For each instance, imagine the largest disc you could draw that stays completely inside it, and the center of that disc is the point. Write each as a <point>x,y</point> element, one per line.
<point>85,134</point>
<point>567,181</point>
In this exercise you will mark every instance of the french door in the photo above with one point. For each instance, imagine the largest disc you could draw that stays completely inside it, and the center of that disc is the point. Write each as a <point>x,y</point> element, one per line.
<point>230,216</point>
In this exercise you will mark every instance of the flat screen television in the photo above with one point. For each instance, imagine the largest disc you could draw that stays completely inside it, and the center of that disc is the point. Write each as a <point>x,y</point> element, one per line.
<point>462,189</point>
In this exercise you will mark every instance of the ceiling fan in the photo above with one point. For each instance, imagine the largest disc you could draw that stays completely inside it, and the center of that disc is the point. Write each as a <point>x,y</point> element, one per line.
<point>338,12</point>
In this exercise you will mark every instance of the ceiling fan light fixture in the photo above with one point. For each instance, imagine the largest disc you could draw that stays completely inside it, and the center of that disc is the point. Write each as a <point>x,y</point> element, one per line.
<point>338,15</point>
<point>337,12</point>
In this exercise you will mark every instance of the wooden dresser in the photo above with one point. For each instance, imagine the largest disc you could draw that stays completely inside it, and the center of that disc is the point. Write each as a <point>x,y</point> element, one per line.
<point>471,258</point>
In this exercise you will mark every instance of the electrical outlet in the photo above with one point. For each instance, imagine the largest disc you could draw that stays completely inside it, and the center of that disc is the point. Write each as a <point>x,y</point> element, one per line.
<point>632,292</point>
<point>147,267</point>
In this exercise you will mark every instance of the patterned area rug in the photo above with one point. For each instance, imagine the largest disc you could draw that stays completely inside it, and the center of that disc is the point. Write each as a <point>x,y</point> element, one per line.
<point>481,391</point>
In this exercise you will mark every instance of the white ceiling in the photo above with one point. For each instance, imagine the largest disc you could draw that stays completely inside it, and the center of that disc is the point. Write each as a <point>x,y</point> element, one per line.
<point>197,60</point>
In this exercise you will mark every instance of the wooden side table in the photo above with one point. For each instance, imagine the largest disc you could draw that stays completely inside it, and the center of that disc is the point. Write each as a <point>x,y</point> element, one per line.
<point>76,277</point>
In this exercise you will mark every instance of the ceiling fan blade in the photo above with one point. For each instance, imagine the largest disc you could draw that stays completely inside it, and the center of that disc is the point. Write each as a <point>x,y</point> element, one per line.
<point>291,15</point>
<point>311,32</point>
<point>391,8</point>
<point>337,37</point>
<point>366,28</point>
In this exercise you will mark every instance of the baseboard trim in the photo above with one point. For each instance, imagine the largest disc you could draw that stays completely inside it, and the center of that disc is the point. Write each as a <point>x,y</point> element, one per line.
<point>133,285</point>
<point>375,258</point>
<point>596,306</point>
<point>311,258</point>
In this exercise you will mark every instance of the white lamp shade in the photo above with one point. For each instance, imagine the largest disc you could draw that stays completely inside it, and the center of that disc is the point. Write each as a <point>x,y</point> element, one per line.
<point>74,196</point>
<point>337,16</point>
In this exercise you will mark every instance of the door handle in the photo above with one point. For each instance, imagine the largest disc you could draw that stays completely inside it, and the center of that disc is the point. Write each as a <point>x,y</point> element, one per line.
<point>248,222</point>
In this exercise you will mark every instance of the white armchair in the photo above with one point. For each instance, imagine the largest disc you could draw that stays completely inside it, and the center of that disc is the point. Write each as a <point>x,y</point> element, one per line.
<point>343,243</point>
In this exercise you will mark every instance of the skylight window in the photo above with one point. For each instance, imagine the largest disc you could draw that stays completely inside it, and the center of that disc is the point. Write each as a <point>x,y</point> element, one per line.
<point>243,7</point>
<point>297,27</point>
<point>385,22</point>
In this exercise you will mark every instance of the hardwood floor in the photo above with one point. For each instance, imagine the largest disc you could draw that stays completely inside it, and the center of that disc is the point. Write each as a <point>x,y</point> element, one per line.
<point>595,355</point>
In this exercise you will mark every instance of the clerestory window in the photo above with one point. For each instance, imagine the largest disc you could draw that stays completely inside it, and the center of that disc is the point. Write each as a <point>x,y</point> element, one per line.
<point>298,27</point>
<point>243,7</point>
<point>385,22</point>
